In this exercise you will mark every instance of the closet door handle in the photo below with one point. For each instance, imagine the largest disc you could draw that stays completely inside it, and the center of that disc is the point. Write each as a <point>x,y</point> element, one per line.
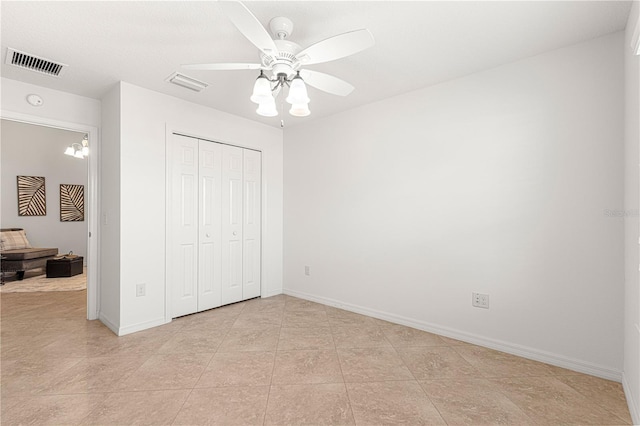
<point>235,233</point>
<point>207,235</point>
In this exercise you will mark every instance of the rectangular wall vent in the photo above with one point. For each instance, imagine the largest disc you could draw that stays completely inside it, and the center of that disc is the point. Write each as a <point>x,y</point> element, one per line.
<point>34,63</point>
<point>187,82</point>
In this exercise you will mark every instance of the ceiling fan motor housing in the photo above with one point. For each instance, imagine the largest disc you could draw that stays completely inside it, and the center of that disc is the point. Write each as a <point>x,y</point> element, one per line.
<point>284,61</point>
<point>281,27</point>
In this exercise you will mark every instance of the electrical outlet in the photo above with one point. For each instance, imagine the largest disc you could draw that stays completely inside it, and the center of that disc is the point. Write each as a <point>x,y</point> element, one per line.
<point>307,270</point>
<point>480,300</point>
<point>141,289</point>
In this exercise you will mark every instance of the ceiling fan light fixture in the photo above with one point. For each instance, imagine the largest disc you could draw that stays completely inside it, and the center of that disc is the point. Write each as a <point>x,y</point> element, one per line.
<point>261,89</point>
<point>298,92</point>
<point>78,150</point>
<point>300,110</point>
<point>85,146</point>
<point>267,108</point>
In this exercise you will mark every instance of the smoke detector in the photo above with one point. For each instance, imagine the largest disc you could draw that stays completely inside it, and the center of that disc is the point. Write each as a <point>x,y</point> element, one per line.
<point>34,100</point>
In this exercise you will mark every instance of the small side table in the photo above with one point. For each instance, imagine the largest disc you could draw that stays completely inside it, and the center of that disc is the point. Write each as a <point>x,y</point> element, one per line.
<point>64,267</point>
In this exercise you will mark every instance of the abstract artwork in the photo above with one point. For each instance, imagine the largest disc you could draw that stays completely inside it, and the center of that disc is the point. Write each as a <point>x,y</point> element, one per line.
<point>71,203</point>
<point>32,199</point>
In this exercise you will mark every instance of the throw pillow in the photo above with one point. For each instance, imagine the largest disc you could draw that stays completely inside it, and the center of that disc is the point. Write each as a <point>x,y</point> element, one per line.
<point>13,240</point>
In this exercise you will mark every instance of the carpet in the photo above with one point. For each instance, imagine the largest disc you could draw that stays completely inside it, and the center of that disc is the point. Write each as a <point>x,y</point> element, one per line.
<point>37,281</point>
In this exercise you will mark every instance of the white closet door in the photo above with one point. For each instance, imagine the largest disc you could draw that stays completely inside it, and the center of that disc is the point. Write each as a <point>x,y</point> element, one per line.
<point>184,235</point>
<point>251,228</point>
<point>232,219</point>
<point>209,271</point>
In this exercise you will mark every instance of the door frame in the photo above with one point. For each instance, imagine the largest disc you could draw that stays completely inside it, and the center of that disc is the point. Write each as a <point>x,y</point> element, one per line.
<point>170,130</point>
<point>93,204</point>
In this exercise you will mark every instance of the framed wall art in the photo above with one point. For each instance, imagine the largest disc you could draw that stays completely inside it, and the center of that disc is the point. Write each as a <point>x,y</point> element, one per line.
<point>32,199</point>
<point>71,203</point>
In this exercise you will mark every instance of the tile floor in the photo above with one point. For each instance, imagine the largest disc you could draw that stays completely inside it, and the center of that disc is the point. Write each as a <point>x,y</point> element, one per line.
<point>276,361</point>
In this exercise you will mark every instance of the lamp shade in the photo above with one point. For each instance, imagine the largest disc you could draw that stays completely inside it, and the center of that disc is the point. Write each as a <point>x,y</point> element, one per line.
<point>69,150</point>
<point>78,154</point>
<point>299,110</point>
<point>297,92</point>
<point>261,90</point>
<point>85,151</point>
<point>267,108</point>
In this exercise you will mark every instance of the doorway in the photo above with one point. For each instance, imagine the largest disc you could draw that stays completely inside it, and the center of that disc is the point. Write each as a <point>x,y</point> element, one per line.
<point>35,147</point>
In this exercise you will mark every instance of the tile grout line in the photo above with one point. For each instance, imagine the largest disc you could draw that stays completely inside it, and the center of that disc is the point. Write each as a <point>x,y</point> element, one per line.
<point>605,407</point>
<point>420,385</point>
<point>201,374</point>
<point>344,380</point>
<point>273,367</point>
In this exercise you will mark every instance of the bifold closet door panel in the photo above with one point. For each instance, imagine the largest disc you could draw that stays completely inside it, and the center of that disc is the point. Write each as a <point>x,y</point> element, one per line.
<point>232,218</point>
<point>210,222</point>
<point>252,223</point>
<point>184,226</point>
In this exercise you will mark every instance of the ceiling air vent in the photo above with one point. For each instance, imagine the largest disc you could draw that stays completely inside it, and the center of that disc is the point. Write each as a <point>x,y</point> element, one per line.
<point>186,82</point>
<point>34,63</point>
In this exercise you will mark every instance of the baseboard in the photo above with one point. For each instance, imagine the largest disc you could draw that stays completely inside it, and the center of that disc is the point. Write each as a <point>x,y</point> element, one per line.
<point>107,322</point>
<point>270,293</point>
<point>632,401</point>
<point>141,326</point>
<point>510,348</point>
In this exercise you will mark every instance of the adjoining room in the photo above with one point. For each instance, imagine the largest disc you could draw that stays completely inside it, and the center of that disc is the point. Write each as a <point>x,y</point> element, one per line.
<point>43,204</point>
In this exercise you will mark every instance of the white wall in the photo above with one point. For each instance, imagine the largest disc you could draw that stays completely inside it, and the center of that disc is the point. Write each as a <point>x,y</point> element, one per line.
<point>110,210</point>
<point>30,150</point>
<point>631,208</point>
<point>60,106</point>
<point>145,118</point>
<point>497,182</point>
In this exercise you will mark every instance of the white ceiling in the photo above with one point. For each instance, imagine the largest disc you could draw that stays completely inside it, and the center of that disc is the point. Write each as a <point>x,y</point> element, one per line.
<point>417,43</point>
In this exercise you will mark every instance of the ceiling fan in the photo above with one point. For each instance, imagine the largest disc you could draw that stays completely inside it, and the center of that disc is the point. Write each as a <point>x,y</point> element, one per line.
<point>285,60</point>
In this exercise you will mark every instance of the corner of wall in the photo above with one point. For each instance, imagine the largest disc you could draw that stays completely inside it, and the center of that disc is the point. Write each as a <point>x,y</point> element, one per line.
<point>634,409</point>
<point>631,364</point>
<point>110,211</point>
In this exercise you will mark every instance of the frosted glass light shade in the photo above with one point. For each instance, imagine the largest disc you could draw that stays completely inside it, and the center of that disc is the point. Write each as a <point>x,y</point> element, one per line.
<point>267,108</point>
<point>85,151</point>
<point>69,150</point>
<point>299,110</point>
<point>297,92</point>
<point>261,90</point>
<point>78,154</point>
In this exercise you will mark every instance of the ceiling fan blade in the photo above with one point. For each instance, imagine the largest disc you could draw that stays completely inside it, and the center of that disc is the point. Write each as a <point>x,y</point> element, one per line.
<point>222,66</point>
<point>326,83</point>
<point>249,26</point>
<point>337,47</point>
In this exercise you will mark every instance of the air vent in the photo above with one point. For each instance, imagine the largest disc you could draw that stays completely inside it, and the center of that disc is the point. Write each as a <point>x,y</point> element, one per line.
<point>187,82</point>
<point>34,63</point>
